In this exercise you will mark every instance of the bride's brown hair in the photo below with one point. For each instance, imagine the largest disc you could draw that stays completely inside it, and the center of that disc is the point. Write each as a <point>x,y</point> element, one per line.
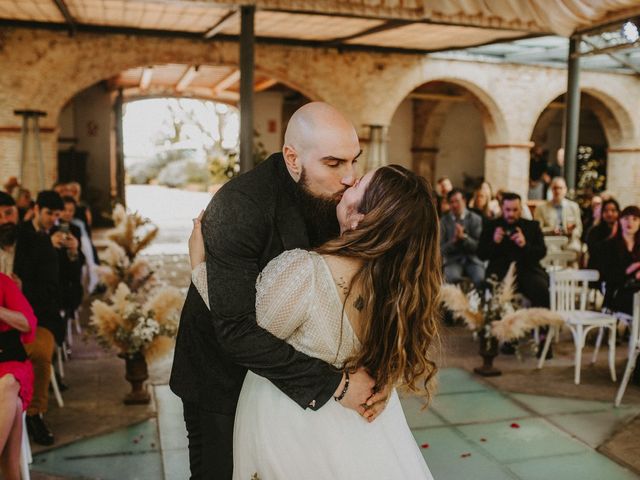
<point>400,278</point>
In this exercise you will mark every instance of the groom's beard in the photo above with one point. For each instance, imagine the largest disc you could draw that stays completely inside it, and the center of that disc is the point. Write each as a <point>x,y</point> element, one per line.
<point>319,213</point>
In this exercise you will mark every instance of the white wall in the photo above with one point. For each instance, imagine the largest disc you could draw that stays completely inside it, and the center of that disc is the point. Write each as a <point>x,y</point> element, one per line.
<point>400,135</point>
<point>461,144</point>
<point>268,109</point>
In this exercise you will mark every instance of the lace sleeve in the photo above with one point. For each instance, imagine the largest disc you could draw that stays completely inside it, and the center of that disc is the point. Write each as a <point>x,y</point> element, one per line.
<point>199,278</point>
<point>283,293</point>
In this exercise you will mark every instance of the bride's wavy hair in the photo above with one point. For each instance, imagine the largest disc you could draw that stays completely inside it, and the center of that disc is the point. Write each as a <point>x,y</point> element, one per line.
<point>400,278</point>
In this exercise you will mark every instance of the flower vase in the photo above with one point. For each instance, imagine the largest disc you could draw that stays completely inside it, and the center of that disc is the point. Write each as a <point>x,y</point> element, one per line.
<point>136,374</point>
<point>488,351</point>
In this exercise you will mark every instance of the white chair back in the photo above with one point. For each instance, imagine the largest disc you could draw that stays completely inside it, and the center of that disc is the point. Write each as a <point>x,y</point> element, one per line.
<point>569,289</point>
<point>555,243</point>
<point>634,349</point>
<point>558,259</point>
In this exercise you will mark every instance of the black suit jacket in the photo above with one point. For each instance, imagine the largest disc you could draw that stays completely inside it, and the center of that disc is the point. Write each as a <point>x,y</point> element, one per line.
<point>36,263</point>
<point>501,255</point>
<point>250,221</point>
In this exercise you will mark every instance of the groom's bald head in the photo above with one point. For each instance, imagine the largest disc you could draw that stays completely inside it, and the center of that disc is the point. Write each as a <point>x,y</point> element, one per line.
<point>321,143</point>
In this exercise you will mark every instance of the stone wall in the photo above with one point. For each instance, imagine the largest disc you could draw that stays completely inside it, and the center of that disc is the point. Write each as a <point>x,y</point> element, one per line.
<point>43,70</point>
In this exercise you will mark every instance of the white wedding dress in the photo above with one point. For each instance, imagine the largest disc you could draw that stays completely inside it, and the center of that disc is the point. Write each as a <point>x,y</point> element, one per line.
<point>274,439</point>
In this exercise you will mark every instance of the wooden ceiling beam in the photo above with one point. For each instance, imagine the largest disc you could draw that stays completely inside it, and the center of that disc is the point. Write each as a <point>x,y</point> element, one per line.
<point>145,78</point>
<point>226,82</point>
<point>264,84</point>
<point>224,22</point>
<point>64,10</point>
<point>187,77</point>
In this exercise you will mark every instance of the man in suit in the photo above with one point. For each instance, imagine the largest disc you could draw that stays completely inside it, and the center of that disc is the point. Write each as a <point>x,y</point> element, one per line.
<point>286,202</point>
<point>37,265</point>
<point>460,232</point>
<point>514,239</point>
<point>560,216</point>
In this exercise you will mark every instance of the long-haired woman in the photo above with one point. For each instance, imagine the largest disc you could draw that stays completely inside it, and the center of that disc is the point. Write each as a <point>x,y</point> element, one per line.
<point>619,262</point>
<point>366,299</point>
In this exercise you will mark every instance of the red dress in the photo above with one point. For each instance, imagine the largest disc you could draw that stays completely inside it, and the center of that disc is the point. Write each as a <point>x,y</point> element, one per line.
<point>12,298</point>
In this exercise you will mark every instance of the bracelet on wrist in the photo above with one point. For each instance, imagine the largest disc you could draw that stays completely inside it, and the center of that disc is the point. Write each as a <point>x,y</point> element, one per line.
<point>344,390</point>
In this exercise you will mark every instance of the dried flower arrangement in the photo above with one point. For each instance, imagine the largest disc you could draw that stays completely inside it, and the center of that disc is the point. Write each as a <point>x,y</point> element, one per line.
<point>499,310</point>
<point>133,325</point>
<point>132,232</point>
<point>116,268</point>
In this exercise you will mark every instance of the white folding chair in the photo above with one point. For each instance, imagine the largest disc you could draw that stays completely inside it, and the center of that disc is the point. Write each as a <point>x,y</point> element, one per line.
<point>558,259</point>
<point>25,451</point>
<point>634,349</point>
<point>567,287</point>
<point>56,388</point>
<point>555,243</point>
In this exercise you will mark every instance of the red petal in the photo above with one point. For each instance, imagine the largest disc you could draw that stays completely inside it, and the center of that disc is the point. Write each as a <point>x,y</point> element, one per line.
<point>424,445</point>
<point>515,425</point>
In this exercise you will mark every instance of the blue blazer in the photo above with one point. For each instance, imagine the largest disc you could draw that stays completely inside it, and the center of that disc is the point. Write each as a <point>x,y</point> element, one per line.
<point>454,251</point>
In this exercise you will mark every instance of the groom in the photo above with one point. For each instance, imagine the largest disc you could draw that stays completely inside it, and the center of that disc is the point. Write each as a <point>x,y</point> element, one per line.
<point>287,202</point>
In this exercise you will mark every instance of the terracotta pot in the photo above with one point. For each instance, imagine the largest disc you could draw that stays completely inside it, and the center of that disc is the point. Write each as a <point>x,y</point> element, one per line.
<point>136,374</point>
<point>488,351</point>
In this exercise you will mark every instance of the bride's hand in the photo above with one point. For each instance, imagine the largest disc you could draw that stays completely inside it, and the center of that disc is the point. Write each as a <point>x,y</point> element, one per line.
<point>360,389</point>
<point>376,404</point>
<point>196,242</point>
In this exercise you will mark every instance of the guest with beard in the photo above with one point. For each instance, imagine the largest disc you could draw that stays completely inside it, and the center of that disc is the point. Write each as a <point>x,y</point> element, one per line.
<point>286,202</point>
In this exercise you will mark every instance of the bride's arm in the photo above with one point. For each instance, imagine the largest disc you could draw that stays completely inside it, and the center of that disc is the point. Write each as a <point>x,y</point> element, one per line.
<point>197,259</point>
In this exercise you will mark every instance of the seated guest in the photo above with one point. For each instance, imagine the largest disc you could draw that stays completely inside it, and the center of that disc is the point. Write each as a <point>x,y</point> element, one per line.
<point>444,186</point>
<point>514,239</point>
<point>591,216</point>
<point>560,216</point>
<point>71,259</point>
<point>482,204</point>
<point>25,205</point>
<point>17,327</point>
<point>605,229</point>
<point>460,231</point>
<point>8,232</point>
<point>619,262</point>
<point>36,264</point>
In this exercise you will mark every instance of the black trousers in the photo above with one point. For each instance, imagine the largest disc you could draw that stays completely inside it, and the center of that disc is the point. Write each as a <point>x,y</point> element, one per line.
<point>210,443</point>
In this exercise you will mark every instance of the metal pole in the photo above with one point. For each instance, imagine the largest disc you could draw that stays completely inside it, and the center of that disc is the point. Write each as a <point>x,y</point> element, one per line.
<point>23,152</point>
<point>572,112</point>
<point>118,112</point>
<point>36,131</point>
<point>247,60</point>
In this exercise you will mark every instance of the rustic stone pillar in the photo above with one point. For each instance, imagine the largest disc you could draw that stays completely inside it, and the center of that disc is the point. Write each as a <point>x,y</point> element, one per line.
<point>506,167</point>
<point>424,162</point>
<point>623,175</point>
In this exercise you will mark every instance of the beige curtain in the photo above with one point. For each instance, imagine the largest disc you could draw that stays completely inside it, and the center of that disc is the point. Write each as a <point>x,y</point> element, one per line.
<point>562,17</point>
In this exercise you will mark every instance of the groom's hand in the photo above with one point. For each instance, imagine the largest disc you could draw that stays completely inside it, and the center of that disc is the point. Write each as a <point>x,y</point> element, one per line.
<point>360,389</point>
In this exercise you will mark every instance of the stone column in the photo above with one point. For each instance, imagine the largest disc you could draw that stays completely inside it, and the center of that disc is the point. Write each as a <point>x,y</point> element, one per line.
<point>374,144</point>
<point>506,167</point>
<point>424,162</point>
<point>623,175</point>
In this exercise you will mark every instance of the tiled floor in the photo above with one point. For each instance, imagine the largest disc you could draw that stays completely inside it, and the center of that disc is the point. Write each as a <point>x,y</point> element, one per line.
<point>471,431</point>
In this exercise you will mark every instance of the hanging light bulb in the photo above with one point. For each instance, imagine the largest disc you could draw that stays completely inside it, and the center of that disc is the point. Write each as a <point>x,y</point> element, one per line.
<point>630,32</point>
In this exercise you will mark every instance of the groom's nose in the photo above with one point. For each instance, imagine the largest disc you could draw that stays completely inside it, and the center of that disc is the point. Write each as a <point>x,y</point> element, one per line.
<point>350,176</point>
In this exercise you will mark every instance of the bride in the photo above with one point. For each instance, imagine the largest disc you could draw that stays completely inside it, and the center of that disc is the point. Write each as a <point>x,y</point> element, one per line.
<point>366,299</point>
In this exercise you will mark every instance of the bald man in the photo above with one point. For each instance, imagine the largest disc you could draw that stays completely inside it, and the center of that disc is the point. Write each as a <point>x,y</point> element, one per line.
<point>287,202</point>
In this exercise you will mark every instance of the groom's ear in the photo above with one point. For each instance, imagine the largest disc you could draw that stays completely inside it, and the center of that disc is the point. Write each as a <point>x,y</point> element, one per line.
<point>292,161</point>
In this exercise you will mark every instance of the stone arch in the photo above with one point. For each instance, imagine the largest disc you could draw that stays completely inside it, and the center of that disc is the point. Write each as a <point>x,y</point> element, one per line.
<point>493,117</point>
<point>616,119</point>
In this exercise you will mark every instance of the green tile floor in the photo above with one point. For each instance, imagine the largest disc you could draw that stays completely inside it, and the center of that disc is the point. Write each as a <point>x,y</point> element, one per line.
<point>471,431</point>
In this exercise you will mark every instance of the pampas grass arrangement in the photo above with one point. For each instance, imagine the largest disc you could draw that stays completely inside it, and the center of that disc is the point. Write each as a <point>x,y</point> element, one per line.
<point>118,268</point>
<point>132,232</point>
<point>499,314</point>
<point>126,323</point>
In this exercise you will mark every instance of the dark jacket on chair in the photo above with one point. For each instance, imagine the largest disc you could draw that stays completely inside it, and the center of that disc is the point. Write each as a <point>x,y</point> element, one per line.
<point>251,220</point>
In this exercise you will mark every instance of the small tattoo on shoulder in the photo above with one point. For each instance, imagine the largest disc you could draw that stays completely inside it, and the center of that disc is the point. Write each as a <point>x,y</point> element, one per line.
<point>343,285</point>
